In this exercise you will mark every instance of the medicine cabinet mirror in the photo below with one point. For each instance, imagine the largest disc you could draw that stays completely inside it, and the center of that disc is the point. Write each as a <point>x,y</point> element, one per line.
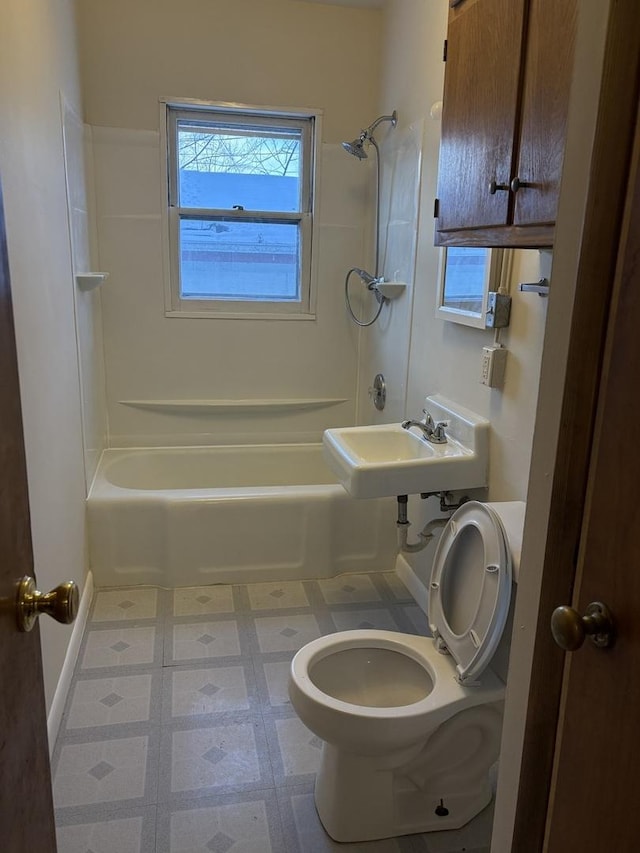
<point>465,279</point>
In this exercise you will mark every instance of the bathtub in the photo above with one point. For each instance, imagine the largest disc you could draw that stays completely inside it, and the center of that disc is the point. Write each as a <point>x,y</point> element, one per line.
<point>230,514</point>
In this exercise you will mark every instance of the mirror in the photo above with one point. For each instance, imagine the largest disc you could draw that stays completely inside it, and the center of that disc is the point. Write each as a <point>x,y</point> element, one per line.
<point>465,279</point>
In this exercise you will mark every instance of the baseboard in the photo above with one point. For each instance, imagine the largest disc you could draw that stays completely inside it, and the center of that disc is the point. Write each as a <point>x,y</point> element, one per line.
<point>412,582</point>
<point>64,682</point>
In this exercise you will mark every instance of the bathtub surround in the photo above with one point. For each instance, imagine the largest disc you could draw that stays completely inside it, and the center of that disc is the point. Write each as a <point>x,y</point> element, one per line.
<point>150,357</point>
<point>388,344</point>
<point>219,52</point>
<point>87,301</point>
<point>178,733</point>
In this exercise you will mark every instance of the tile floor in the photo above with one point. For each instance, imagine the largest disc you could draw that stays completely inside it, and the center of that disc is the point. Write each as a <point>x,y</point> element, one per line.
<point>178,736</point>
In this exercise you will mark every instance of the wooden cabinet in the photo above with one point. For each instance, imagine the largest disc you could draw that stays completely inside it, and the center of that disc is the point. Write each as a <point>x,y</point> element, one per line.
<point>506,96</point>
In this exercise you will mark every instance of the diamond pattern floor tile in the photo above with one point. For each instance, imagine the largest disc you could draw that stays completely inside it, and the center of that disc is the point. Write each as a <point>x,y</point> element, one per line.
<point>201,752</point>
<point>132,603</point>
<point>101,771</point>
<point>109,701</point>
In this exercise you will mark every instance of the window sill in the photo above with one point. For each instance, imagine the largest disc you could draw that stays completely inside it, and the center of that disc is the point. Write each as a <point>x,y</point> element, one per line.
<point>248,315</point>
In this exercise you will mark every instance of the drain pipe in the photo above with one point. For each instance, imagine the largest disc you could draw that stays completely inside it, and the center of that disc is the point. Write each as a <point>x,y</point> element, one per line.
<point>424,537</point>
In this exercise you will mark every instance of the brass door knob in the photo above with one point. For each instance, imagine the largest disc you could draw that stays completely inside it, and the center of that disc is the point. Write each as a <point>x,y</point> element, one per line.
<point>569,628</point>
<point>61,603</point>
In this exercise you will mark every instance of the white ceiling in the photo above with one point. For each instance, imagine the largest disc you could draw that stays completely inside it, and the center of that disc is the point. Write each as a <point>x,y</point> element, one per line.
<point>362,4</point>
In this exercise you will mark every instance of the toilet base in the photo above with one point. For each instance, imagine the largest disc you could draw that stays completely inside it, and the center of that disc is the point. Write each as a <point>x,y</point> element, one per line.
<point>412,813</point>
<point>439,784</point>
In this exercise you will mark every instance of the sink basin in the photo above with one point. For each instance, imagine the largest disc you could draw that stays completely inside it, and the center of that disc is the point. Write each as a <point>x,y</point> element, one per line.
<point>387,460</point>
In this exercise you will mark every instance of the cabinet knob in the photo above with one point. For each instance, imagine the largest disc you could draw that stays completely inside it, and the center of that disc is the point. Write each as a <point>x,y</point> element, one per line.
<point>494,186</point>
<point>517,184</point>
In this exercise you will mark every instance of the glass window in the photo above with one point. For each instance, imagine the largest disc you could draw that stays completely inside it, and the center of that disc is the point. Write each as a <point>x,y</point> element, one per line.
<point>240,210</point>
<point>466,277</point>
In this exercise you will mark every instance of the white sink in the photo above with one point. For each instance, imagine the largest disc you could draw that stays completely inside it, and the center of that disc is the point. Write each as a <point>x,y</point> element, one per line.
<point>387,460</point>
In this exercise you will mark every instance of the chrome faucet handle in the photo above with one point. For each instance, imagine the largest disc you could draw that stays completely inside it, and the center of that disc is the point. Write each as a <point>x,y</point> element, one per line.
<point>439,435</point>
<point>428,419</point>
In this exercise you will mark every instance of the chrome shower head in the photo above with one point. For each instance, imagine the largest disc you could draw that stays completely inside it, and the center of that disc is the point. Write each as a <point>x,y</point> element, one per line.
<point>356,147</point>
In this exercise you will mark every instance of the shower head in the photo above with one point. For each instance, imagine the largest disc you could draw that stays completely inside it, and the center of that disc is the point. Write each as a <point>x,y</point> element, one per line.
<point>356,147</point>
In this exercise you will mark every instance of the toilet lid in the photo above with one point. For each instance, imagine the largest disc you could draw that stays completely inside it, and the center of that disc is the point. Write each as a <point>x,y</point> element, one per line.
<point>470,588</point>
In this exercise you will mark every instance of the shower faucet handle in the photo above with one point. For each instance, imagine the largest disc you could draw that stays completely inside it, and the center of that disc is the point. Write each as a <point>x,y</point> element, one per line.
<point>378,392</point>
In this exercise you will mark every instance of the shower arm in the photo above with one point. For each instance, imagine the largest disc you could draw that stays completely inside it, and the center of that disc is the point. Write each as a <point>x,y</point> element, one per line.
<point>393,118</point>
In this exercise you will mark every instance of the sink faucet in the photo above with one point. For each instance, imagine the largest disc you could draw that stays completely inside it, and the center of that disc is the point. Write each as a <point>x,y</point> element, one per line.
<point>430,431</point>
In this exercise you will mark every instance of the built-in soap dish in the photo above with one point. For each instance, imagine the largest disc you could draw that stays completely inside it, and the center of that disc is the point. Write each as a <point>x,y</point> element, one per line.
<point>391,289</point>
<point>90,280</point>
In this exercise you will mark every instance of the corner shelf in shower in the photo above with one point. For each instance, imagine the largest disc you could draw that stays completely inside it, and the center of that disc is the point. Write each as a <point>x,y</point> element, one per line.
<point>90,280</point>
<point>221,407</point>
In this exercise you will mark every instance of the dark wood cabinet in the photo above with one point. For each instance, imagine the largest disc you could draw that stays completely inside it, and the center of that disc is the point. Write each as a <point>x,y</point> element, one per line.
<point>506,96</point>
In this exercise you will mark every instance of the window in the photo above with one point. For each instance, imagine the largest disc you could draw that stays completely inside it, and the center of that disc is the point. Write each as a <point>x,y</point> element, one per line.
<point>466,277</point>
<point>240,190</point>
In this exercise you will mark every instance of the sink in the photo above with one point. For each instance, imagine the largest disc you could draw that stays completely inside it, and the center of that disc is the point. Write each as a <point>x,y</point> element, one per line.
<point>386,460</point>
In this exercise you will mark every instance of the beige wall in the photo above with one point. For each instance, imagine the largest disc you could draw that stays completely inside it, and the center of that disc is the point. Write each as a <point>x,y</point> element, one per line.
<point>276,52</point>
<point>37,63</point>
<point>269,52</point>
<point>445,357</point>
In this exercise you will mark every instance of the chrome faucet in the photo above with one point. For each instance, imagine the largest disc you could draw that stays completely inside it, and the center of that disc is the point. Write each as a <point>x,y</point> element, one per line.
<point>430,431</point>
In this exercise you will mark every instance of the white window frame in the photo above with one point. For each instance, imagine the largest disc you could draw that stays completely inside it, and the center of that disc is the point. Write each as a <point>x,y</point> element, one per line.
<point>497,276</point>
<point>174,109</point>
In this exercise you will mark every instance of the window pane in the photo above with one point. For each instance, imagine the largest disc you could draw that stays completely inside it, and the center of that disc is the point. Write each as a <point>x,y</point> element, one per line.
<point>464,279</point>
<point>240,260</point>
<point>222,166</point>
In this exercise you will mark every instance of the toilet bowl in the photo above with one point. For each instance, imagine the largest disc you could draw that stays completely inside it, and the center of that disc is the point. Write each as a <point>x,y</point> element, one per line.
<point>411,725</point>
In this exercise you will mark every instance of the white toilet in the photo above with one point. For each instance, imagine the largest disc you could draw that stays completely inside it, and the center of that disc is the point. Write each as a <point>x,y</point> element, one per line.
<point>411,725</point>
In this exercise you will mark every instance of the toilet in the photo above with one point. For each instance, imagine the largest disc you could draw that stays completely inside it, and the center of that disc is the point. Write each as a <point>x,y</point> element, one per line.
<point>411,725</point>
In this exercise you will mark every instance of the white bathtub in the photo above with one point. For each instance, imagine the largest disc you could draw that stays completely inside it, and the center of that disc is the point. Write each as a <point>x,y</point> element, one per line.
<point>190,516</point>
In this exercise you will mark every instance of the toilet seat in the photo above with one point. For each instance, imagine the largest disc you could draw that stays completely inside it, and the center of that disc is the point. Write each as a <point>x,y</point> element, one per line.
<point>470,588</point>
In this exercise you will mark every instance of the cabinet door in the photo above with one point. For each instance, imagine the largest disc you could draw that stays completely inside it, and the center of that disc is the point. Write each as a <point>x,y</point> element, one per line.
<point>547,80</point>
<point>479,114</point>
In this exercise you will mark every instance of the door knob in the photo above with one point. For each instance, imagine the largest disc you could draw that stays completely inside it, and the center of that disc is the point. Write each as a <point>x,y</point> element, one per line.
<point>569,628</point>
<point>61,603</point>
